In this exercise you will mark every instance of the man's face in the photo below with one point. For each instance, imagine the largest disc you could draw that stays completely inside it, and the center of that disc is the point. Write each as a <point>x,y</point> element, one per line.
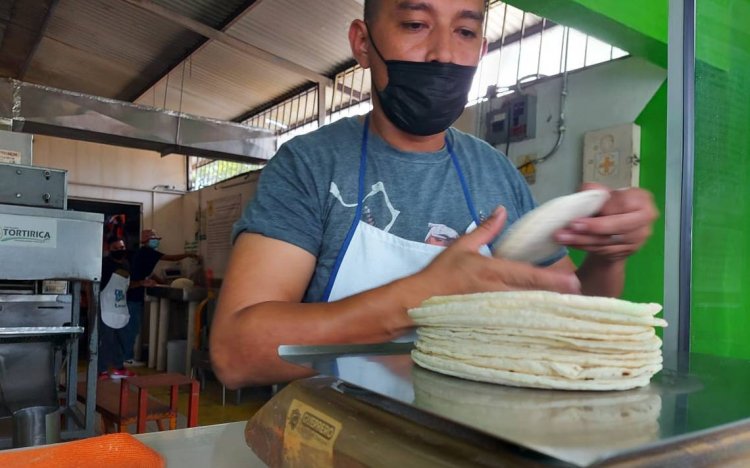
<point>448,31</point>
<point>115,246</point>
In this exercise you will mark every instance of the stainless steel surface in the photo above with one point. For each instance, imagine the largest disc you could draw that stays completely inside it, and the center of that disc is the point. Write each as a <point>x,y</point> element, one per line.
<point>217,446</point>
<point>33,186</point>
<point>35,310</point>
<point>31,326</point>
<point>573,427</point>
<point>51,111</point>
<point>27,375</point>
<point>311,354</point>
<point>71,251</point>
<point>30,332</point>
<point>36,425</point>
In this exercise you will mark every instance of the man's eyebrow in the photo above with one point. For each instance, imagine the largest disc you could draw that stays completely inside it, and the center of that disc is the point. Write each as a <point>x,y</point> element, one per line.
<point>472,15</point>
<point>410,5</point>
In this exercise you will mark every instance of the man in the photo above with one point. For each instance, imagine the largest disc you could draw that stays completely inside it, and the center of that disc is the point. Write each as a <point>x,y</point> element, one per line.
<point>143,263</point>
<point>332,250</point>
<point>114,312</point>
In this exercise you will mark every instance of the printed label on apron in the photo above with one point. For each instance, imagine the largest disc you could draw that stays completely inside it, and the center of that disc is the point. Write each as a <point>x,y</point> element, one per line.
<point>114,303</point>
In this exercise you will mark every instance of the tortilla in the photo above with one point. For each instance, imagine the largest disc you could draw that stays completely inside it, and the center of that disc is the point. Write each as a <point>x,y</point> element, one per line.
<point>530,239</point>
<point>540,339</point>
<point>516,379</point>
<point>468,350</point>
<point>493,308</point>
<point>457,316</point>
<point>557,334</point>
<point>479,337</point>
<point>609,304</point>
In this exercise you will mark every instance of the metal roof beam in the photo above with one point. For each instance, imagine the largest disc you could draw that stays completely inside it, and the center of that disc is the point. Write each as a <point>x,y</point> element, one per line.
<point>134,91</point>
<point>26,25</point>
<point>226,39</point>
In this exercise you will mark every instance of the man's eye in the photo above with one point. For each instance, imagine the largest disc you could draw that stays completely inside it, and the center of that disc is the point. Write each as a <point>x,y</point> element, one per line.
<point>467,33</point>
<point>413,26</point>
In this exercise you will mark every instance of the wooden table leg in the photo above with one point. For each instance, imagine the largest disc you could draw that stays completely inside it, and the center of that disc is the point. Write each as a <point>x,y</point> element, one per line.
<point>173,406</point>
<point>162,336</point>
<point>142,407</point>
<point>193,404</point>
<point>123,409</point>
<point>153,327</point>
<point>192,306</point>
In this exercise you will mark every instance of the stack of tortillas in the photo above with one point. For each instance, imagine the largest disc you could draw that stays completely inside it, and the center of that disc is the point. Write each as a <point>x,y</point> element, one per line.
<point>540,339</point>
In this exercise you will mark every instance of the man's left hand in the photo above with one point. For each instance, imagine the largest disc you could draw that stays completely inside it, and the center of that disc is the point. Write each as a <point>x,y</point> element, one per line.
<point>620,228</point>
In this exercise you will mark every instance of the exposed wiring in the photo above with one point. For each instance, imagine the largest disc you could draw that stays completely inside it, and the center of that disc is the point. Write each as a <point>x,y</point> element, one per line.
<point>561,121</point>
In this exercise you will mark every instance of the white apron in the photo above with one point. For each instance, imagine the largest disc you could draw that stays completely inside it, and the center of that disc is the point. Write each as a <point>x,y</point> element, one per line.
<point>114,303</point>
<point>371,257</point>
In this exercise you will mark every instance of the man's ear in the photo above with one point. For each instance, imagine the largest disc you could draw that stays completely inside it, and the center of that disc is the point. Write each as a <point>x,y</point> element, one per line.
<point>359,43</point>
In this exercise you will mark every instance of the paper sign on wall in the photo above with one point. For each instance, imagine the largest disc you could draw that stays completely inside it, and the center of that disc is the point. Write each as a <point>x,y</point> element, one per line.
<point>10,157</point>
<point>26,231</point>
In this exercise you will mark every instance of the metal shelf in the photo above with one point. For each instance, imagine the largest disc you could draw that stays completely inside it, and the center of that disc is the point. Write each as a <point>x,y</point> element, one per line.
<point>25,332</point>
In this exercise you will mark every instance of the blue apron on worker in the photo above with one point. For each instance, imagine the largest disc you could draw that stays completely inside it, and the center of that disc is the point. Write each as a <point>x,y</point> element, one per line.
<point>371,257</point>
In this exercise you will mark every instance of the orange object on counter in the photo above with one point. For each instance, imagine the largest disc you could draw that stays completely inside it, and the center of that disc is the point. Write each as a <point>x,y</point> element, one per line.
<point>113,451</point>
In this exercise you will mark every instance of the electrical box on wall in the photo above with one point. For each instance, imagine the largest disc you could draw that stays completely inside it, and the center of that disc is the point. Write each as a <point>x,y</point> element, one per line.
<point>513,120</point>
<point>612,156</point>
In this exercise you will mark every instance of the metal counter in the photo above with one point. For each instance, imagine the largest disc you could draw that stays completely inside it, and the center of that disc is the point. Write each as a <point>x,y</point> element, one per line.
<point>708,394</point>
<point>217,446</point>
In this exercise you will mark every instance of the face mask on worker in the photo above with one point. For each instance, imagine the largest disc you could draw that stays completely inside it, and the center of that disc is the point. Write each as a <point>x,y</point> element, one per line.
<point>153,243</point>
<point>117,254</point>
<point>424,98</point>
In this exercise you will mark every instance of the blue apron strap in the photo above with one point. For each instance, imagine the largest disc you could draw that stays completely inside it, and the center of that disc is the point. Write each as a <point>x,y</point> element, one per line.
<point>464,185</point>
<point>357,214</point>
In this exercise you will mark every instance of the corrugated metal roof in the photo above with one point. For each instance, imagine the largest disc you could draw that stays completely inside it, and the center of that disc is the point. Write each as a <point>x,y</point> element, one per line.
<point>312,33</point>
<point>220,82</point>
<point>512,23</point>
<point>100,47</point>
<point>113,49</point>
<point>210,12</point>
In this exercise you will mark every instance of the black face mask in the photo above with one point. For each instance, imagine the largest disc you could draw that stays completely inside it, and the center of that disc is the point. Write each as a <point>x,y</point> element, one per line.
<point>424,98</point>
<point>118,254</point>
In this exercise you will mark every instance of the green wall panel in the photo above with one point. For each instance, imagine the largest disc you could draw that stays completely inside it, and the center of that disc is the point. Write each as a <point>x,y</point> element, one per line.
<point>721,236</point>
<point>645,270</point>
<point>644,280</point>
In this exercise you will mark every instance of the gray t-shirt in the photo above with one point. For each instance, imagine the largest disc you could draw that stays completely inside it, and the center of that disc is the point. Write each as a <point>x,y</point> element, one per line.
<point>307,194</point>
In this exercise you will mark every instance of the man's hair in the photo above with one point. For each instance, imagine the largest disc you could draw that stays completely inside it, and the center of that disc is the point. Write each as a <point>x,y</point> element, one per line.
<point>371,10</point>
<point>372,6</point>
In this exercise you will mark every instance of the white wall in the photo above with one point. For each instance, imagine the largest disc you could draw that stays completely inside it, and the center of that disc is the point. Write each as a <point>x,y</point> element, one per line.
<point>598,97</point>
<point>111,173</point>
<point>243,186</point>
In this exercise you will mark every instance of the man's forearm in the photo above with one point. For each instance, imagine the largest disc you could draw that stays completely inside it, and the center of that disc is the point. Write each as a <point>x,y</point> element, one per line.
<point>601,277</point>
<point>244,345</point>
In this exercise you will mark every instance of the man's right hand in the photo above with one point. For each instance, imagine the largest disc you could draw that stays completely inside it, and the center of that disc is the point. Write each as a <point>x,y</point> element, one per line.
<point>461,269</point>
